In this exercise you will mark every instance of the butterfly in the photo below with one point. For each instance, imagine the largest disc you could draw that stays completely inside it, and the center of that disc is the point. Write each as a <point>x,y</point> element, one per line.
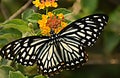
<point>56,52</point>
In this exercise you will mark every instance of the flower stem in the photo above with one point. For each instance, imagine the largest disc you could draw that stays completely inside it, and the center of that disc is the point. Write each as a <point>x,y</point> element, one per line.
<point>46,10</point>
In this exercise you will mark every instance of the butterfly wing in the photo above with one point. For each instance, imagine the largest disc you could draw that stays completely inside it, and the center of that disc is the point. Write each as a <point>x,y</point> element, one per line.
<point>24,50</point>
<point>59,54</point>
<point>85,30</point>
<point>72,53</point>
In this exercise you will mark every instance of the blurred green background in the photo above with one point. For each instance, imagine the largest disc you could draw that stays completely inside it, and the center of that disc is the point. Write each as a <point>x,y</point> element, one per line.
<point>104,56</point>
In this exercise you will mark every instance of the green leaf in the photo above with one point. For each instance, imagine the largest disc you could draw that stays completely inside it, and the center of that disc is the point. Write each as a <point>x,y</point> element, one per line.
<point>16,74</point>
<point>17,24</point>
<point>7,68</point>
<point>34,17</point>
<point>9,34</point>
<point>61,10</point>
<point>89,6</point>
<point>27,13</point>
<point>40,76</point>
<point>11,31</point>
<point>111,40</point>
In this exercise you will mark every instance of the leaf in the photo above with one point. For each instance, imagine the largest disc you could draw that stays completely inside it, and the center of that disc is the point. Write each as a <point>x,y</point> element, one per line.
<point>40,76</point>
<point>4,70</point>
<point>89,6</point>
<point>61,10</point>
<point>111,40</point>
<point>17,24</point>
<point>34,17</point>
<point>27,13</point>
<point>7,68</point>
<point>9,34</point>
<point>16,74</point>
<point>12,31</point>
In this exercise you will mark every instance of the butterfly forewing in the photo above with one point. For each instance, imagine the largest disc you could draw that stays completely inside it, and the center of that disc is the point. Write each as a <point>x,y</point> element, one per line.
<point>86,30</point>
<point>24,50</point>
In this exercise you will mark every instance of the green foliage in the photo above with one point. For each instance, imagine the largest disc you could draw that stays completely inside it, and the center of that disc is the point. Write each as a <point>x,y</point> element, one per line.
<point>18,24</point>
<point>31,16</point>
<point>40,76</point>
<point>61,10</point>
<point>16,74</point>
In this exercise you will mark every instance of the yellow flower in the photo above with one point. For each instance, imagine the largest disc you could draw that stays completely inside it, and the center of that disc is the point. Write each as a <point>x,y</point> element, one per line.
<point>50,14</point>
<point>54,4</point>
<point>61,16</point>
<point>41,23</point>
<point>36,3</point>
<point>63,24</point>
<point>41,6</point>
<point>45,30</point>
<point>47,3</point>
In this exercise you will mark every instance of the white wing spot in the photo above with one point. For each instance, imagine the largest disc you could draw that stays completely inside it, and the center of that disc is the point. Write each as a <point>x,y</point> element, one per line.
<point>8,51</point>
<point>103,17</point>
<point>100,28</point>
<point>99,20</point>
<point>89,32</point>
<point>87,18</point>
<point>101,24</point>
<point>88,37</point>
<point>25,45</point>
<point>83,40</point>
<point>89,43</point>
<point>8,55</point>
<point>95,16</point>
<point>93,40</point>
<point>81,59</point>
<point>82,26</point>
<point>95,30</point>
<point>77,23</point>
<point>30,63</point>
<point>82,54</point>
<point>89,21</point>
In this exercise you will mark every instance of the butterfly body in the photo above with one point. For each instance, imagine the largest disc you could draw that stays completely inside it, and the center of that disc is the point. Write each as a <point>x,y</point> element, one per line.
<point>56,52</point>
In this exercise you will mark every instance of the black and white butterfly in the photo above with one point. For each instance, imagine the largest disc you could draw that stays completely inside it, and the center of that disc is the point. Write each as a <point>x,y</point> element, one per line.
<point>64,50</point>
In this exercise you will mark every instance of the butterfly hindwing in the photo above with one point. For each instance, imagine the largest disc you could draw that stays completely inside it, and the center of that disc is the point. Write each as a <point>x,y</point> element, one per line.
<point>73,54</point>
<point>60,54</point>
<point>85,30</point>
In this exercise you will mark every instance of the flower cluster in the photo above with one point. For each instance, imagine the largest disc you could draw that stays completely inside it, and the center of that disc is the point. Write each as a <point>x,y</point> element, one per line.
<point>41,4</point>
<point>51,21</point>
